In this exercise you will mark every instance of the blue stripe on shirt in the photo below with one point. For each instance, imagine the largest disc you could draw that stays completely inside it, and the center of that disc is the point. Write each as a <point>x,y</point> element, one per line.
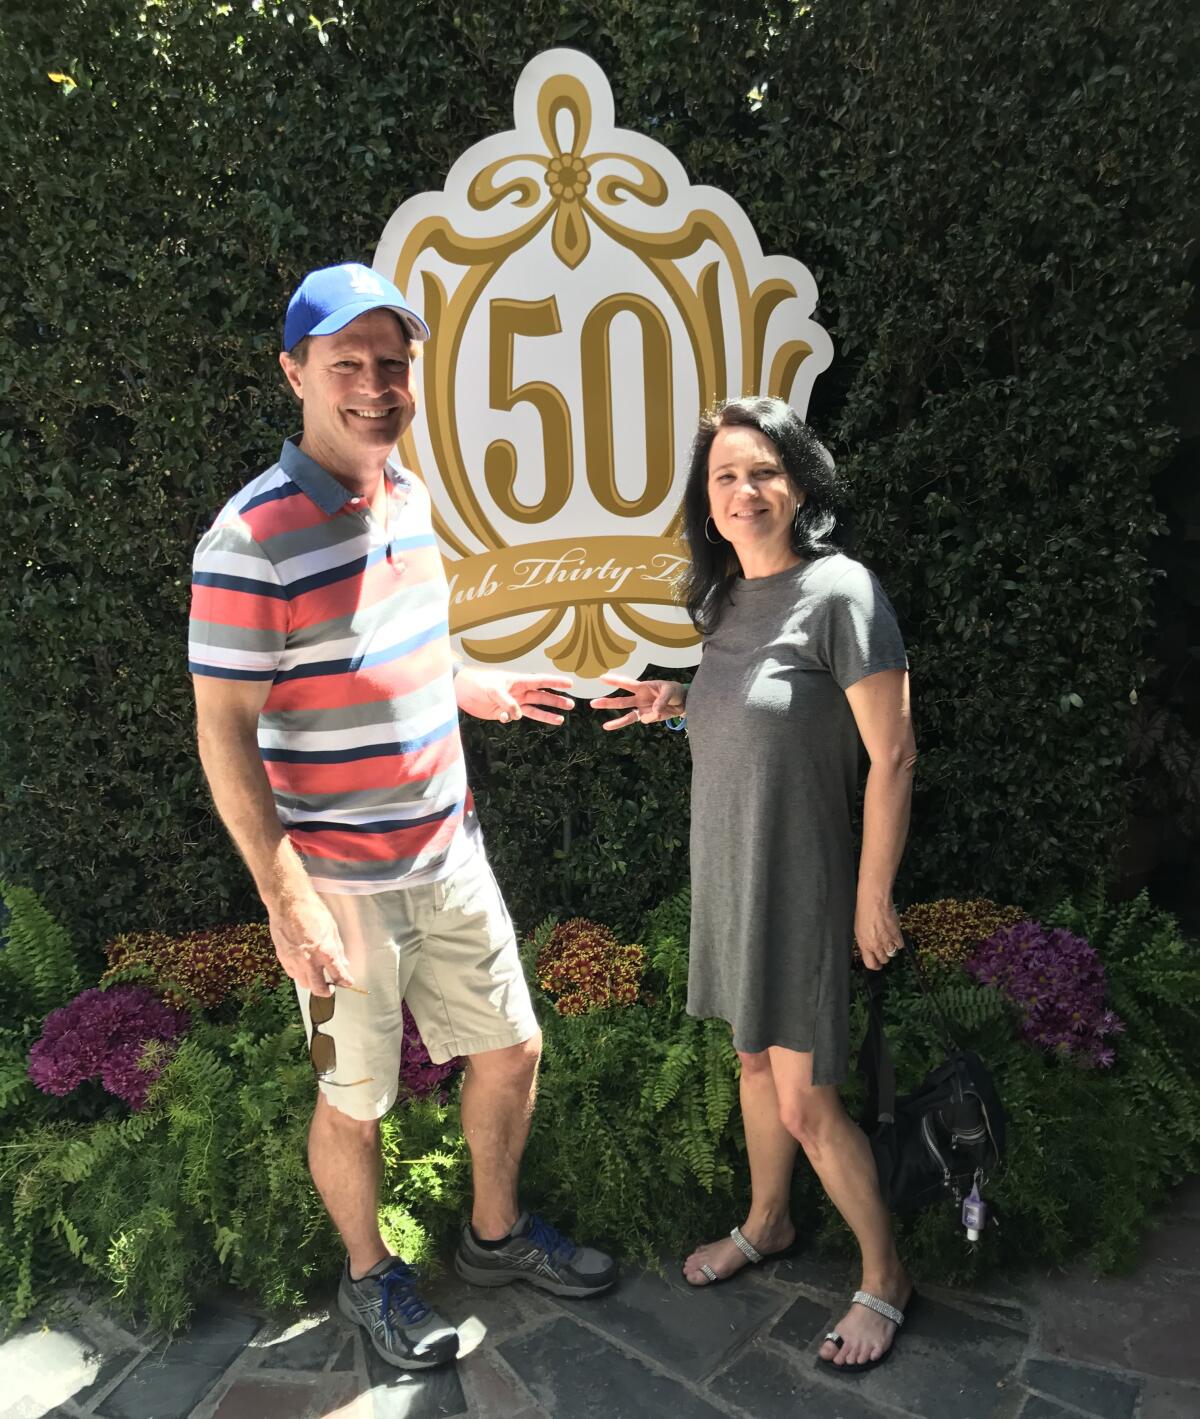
<point>317,668</point>
<point>361,751</point>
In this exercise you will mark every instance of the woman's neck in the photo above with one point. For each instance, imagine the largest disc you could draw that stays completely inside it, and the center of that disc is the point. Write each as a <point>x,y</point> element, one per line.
<point>757,562</point>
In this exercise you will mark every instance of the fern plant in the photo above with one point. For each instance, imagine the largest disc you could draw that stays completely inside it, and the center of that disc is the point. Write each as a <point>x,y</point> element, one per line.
<point>39,971</point>
<point>636,1143</point>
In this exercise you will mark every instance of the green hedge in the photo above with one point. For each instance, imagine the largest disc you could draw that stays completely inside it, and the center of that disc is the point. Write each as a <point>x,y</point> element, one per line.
<point>992,200</point>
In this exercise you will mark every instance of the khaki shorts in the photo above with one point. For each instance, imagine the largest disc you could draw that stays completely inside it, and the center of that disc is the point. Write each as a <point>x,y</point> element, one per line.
<point>447,950</point>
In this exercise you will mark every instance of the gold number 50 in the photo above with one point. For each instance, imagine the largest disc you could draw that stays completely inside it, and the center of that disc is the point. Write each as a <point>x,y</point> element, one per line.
<point>511,318</point>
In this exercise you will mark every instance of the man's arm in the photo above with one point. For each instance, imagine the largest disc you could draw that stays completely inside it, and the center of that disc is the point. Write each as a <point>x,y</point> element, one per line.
<point>302,928</point>
<point>503,695</point>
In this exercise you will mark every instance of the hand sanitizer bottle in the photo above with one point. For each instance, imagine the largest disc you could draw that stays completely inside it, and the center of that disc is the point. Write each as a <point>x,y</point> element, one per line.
<point>974,1214</point>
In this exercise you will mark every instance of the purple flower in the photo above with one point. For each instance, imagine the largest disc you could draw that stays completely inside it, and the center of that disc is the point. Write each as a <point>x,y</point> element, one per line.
<point>1057,981</point>
<point>418,1073</point>
<point>104,1034</point>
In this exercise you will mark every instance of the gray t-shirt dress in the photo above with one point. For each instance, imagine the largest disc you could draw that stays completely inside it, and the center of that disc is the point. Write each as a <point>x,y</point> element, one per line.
<point>775,754</point>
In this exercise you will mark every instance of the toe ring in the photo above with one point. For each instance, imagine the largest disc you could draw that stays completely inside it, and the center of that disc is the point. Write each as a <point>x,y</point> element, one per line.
<point>707,1270</point>
<point>836,1338</point>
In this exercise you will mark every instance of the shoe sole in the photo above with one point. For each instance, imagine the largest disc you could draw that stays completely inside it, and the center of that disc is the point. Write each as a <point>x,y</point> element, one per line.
<point>418,1362</point>
<point>486,1276</point>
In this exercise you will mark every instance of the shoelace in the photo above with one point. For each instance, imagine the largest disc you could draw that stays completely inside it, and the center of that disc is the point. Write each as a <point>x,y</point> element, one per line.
<point>398,1291</point>
<point>553,1243</point>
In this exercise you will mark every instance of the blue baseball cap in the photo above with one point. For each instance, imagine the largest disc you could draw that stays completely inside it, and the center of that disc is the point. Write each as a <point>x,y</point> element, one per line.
<point>332,297</point>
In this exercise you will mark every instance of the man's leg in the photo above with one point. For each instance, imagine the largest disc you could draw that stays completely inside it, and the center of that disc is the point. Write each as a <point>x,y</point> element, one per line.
<point>497,1105</point>
<point>343,1157</point>
<point>362,1037</point>
<point>502,1242</point>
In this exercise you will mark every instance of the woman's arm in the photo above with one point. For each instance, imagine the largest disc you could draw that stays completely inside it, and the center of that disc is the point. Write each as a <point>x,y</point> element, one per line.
<point>881,710</point>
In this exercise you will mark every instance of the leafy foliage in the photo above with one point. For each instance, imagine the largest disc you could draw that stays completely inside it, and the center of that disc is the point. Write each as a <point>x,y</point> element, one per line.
<point>39,971</point>
<point>210,1181</point>
<point>582,966</point>
<point>637,1103</point>
<point>992,200</point>
<point>944,931</point>
<point>1090,1153</point>
<point>636,1144</point>
<point>199,967</point>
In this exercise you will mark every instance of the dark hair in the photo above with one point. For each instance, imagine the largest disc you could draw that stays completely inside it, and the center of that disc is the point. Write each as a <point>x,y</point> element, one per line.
<point>820,527</point>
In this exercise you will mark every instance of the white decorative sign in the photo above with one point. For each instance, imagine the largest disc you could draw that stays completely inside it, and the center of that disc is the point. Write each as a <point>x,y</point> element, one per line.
<point>585,303</point>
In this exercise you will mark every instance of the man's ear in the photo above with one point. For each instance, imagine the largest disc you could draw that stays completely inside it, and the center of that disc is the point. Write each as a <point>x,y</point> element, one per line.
<point>294,371</point>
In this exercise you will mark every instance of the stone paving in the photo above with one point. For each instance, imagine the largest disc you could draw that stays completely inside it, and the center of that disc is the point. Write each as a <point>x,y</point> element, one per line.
<point>1044,1347</point>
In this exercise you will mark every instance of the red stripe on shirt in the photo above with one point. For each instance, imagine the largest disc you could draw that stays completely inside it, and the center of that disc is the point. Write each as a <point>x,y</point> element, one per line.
<point>243,609</point>
<point>377,847</point>
<point>280,515</point>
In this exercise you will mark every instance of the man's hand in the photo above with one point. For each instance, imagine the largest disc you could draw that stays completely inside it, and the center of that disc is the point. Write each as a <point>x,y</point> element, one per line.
<point>500,695</point>
<point>877,931</point>
<point>308,943</point>
<point>647,702</point>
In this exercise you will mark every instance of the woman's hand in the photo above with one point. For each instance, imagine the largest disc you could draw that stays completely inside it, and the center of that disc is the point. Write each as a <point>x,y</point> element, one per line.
<point>647,701</point>
<point>877,931</point>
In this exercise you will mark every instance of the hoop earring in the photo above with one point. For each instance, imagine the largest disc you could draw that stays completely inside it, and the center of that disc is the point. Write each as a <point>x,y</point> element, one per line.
<point>718,539</point>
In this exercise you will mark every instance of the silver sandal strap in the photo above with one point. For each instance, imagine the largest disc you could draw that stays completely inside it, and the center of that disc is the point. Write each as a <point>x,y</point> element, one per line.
<point>873,1303</point>
<point>744,1246</point>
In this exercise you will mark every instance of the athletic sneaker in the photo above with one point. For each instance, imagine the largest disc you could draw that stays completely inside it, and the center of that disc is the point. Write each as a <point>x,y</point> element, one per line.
<point>402,1327</point>
<point>533,1251</point>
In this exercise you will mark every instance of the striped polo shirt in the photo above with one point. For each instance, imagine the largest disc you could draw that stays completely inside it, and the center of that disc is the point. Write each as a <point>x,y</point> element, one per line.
<point>297,585</point>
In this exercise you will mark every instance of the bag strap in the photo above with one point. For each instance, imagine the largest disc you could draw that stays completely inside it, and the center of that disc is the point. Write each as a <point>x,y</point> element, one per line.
<point>948,1036</point>
<point>875,1062</point>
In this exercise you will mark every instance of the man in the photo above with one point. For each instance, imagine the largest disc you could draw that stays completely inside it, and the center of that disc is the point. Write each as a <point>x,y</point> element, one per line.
<point>327,708</point>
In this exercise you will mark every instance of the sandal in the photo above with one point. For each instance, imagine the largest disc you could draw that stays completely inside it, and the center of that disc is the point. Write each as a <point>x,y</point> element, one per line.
<point>752,1255</point>
<point>889,1312</point>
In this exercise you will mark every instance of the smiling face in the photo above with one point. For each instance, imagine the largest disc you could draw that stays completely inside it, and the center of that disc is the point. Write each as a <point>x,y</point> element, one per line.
<point>357,391</point>
<point>751,499</point>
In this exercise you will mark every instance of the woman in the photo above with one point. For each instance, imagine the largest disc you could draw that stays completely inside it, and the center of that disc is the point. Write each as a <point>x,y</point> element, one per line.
<point>801,660</point>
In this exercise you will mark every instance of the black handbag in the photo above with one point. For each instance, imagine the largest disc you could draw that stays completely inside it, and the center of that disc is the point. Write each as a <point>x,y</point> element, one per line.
<point>943,1140</point>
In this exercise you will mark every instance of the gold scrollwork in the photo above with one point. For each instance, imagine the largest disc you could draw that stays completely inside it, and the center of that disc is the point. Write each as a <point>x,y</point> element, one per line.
<point>591,647</point>
<point>572,195</point>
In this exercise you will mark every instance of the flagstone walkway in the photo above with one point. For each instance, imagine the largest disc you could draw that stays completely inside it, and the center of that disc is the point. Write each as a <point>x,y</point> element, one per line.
<point>1046,1347</point>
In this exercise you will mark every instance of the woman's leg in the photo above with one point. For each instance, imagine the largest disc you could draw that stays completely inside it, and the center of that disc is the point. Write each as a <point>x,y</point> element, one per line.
<point>772,1153</point>
<point>841,1158</point>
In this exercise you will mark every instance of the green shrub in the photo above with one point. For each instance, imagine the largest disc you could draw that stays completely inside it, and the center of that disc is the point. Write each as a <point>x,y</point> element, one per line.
<point>636,1143</point>
<point>993,201</point>
<point>210,1181</point>
<point>1091,1152</point>
<point>39,971</point>
<point>635,1104</point>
